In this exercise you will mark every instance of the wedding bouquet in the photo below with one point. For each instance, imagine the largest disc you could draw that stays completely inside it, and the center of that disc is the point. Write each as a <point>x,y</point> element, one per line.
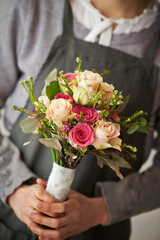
<point>78,114</point>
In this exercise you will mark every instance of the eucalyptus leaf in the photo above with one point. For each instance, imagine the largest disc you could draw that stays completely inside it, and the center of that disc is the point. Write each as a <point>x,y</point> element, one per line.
<point>52,89</point>
<point>99,161</point>
<point>114,165</point>
<point>61,139</point>
<point>32,140</point>
<point>123,105</point>
<point>120,160</point>
<point>51,143</point>
<point>29,125</point>
<point>40,116</point>
<point>133,128</point>
<point>52,76</point>
<point>70,154</point>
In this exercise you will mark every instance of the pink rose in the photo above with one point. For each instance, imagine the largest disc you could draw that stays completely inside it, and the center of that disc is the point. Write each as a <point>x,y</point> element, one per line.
<point>106,135</point>
<point>71,80</point>
<point>70,76</point>
<point>115,117</point>
<point>82,135</point>
<point>90,115</point>
<point>66,96</point>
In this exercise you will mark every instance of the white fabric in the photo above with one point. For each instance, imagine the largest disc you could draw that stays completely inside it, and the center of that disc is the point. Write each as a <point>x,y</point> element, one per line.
<point>59,182</point>
<point>102,27</point>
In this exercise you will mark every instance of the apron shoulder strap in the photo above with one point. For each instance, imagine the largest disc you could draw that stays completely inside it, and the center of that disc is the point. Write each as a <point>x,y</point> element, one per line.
<point>149,54</point>
<point>67,19</point>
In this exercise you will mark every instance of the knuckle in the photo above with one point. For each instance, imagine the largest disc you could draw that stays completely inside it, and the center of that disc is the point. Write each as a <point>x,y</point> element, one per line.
<point>78,203</point>
<point>38,205</point>
<point>77,217</point>
<point>57,223</point>
<point>30,224</point>
<point>41,233</point>
<point>58,235</point>
<point>63,207</point>
<point>47,207</point>
<point>39,219</point>
<point>40,192</point>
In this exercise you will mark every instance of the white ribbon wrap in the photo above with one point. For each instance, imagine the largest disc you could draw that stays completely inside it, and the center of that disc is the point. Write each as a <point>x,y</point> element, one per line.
<point>59,182</point>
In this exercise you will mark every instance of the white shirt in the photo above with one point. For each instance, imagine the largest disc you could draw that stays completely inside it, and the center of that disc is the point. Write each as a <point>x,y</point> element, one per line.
<point>101,27</point>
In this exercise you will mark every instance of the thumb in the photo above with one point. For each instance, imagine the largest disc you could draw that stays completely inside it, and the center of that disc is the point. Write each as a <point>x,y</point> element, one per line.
<point>41,181</point>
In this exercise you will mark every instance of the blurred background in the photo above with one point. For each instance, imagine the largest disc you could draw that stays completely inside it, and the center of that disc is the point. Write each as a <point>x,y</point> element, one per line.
<point>145,226</point>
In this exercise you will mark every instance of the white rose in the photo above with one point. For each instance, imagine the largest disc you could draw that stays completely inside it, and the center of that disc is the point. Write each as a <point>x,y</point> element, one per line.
<point>106,91</point>
<point>89,80</point>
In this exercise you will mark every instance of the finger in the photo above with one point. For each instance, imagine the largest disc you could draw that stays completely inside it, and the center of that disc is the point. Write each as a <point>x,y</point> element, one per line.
<point>42,195</point>
<point>31,225</point>
<point>41,181</point>
<point>42,238</point>
<point>52,208</point>
<point>46,233</point>
<point>48,221</point>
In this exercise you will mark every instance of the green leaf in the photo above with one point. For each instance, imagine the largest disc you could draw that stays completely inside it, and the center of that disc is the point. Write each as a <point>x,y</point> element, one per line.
<point>99,161</point>
<point>52,89</point>
<point>105,159</point>
<point>114,166</point>
<point>29,125</point>
<point>143,129</point>
<point>51,143</point>
<point>133,128</point>
<point>52,76</point>
<point>61,139</point>
<point>123,105</point>
<point>114,161</point>
<point>40,116</point>
<point>143,120</point>
<point>32,140</point>
<point>120,160</point>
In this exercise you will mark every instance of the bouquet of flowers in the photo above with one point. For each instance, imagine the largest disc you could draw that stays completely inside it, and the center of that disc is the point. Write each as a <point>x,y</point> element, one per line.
<point>78,114</point>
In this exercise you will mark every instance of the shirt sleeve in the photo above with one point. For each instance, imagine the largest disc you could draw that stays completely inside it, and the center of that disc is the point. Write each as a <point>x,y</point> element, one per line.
<point>13,172</point>
<point>11,39</point>
<point>138,192</point>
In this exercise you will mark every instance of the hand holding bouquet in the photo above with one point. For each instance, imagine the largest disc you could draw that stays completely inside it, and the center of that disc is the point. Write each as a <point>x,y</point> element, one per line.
<point>78,114</point>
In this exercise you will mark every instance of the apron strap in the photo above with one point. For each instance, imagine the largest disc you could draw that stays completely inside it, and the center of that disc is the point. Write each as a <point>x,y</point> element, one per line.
<point>67,19</point>
<point>149,54</point>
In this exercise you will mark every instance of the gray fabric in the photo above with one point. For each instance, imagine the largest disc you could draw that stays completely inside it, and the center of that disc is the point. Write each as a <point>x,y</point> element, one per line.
<point>26,36</point>
<point>12,170</point>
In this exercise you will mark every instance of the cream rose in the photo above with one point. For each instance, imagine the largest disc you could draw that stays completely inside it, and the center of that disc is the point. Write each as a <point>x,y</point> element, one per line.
<point>106,91</point>
<point>80,95</point>
<point>89,80</point>
<point>45,100</point>
<point>60,110</point>
<point>106,135</point>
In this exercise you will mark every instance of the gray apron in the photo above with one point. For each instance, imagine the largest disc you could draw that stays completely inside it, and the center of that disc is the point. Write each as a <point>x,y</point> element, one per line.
<point>133,76</point>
